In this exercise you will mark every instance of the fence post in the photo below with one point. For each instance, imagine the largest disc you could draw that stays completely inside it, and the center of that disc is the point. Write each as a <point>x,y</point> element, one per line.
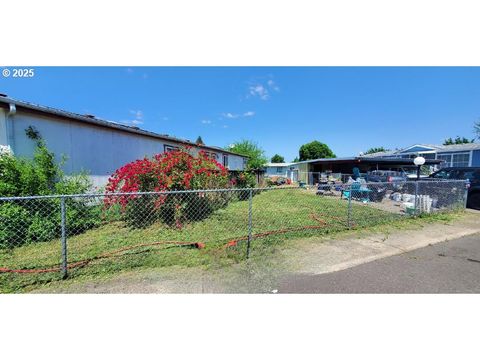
<point>64,238</point>
<point>349,211</point>
<point>465,194</point>
<point>416,198</point>
<point>249,222</point>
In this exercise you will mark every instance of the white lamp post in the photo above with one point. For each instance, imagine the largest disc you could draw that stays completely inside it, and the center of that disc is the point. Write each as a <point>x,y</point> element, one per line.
<point>419,161</point>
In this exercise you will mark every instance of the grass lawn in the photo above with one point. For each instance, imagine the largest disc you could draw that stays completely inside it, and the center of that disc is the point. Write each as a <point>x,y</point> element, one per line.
<point>277,216</point>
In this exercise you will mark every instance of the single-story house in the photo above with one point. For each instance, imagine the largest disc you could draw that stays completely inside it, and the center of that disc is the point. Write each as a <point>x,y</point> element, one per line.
<point>90,144</point>
<point>286,170</point>
<point>458,155</point>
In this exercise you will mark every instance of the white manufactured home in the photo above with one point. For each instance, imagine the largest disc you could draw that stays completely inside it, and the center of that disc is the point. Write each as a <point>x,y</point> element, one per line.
<point>286,170</point>
<point>89,144</point>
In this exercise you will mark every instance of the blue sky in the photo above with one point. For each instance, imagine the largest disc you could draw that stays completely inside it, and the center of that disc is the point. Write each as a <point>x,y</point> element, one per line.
<point>349,108</point>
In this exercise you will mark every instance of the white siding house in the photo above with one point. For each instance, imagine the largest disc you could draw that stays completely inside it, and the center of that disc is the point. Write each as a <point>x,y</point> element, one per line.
<point>287,170</point>
<point>96,146</point>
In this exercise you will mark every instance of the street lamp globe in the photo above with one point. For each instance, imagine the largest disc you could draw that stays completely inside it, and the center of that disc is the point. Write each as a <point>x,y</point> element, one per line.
<point>419,161</point>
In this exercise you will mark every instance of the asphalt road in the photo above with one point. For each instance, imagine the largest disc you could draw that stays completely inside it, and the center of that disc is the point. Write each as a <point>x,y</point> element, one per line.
<point>448,267</point>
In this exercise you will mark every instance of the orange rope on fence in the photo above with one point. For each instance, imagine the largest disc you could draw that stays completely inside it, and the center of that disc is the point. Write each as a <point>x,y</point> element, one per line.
<point>198,245</point>
<point>81,263</point>
<point>234,242</point>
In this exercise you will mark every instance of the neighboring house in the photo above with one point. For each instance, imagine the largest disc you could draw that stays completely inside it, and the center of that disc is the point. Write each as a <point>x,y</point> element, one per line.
<point>96,146</point>
<point>287,170</point>
<point>457,155</point>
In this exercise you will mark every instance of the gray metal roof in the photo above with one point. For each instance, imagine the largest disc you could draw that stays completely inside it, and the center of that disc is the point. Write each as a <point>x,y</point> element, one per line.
<point>437,148</point>
<point>89,119</point>
<point>270,164</point>
<point>458,147</point>
<point>379,160</point>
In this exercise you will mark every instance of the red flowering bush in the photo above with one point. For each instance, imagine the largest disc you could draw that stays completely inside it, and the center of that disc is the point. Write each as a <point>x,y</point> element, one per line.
<point>171,171</point>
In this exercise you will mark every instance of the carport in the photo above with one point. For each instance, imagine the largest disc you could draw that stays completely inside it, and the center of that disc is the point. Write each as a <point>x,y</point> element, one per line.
<point>364,164</point>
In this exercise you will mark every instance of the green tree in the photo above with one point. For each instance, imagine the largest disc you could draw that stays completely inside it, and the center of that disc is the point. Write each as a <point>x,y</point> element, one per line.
<point>199,141</point>
<point>315,150</point>
<point>375,150</point>
<point>457,140</point>
<point>296,159</point>
<point>256,155</point>
<point>277,159</point>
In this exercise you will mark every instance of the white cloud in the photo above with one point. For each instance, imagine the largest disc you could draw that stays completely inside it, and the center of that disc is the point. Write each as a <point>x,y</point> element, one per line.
<point>258,90</point>
<point>225,126</point>
<point>262,87</point>
<point>138,118</point>
<point>137,113</point>
<point>272,85</point>
<point>230,115</point>
<point>206,121</point>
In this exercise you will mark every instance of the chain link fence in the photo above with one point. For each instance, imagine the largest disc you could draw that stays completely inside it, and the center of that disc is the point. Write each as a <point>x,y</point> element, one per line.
<point>51,235</point>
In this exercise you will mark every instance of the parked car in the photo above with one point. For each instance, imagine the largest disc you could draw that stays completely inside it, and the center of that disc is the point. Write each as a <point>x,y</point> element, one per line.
<point>463,173</point>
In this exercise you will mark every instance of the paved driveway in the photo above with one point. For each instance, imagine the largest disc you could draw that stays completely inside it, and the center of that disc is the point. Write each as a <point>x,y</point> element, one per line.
<point>447,267</point>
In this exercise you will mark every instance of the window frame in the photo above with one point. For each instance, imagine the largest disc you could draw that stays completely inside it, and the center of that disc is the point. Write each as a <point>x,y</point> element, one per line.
<point>170,148</point>
<point>461,163</point>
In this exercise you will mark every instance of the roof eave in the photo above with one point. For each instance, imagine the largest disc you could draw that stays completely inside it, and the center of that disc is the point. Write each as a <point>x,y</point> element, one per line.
<point>106,124</point>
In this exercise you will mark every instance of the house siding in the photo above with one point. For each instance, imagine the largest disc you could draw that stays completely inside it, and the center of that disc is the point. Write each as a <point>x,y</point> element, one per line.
<point>303,170</point>
<point>97,150</point>
<point>476,158</point>
<point>272,171</point>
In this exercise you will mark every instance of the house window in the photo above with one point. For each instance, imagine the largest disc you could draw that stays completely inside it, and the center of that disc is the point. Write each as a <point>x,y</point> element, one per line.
<point>279,170</point>
<point>168,148</point>
<point>447,160</point>
<point>428,156</point>
<point>211,155</point>
<point>455,160</point>
<point>225,160</point>
<point>460,160</point>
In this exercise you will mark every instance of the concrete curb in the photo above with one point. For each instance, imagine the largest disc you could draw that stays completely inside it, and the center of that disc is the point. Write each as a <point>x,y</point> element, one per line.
<point>336,255</point>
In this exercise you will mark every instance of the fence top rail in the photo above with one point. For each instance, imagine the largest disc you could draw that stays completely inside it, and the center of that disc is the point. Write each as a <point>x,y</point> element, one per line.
<point>94,195</point>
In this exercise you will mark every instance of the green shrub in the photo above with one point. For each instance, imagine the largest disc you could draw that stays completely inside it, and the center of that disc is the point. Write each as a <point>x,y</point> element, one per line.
<point>43,229</point>
<point>14,222</point>
<point>37,220</point>
<point>141,212</point>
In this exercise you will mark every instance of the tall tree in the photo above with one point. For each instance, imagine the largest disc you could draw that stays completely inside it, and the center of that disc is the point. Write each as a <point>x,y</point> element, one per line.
<point>457,140</point>
<point>375,149</point>
<point>199,141</point>
<point>315,150</point>
<point>277,159</point>
<point>256,155</point>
